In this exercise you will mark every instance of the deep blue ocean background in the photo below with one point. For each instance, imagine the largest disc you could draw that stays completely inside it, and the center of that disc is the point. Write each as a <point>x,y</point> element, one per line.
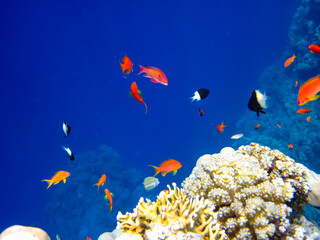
<point>60,62</point>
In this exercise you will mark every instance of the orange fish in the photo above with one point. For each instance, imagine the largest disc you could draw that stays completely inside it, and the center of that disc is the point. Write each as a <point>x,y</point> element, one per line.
<point>108,196</point>
<point>314,48</point>
<point>290,146</point>
<point>166,191</point>
<point>135,94</point>
<point>58,177</point>
<point>167,166</point>
<point>308,90</point>
<point>289,61</point>
<point>126,65</point>
<point>303,110</point>
<point>296,84</point>
<point>89,238</point>
<point>308,119</point>
<point>101,181</point>
<point>278,126</point>
<point>256,127</point>
<point>220,127</point>
<point>155,74</point>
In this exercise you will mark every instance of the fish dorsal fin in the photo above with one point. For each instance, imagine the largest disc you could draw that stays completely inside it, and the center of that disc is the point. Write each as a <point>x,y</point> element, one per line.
<point>165,162</point>
<point>312,79</point>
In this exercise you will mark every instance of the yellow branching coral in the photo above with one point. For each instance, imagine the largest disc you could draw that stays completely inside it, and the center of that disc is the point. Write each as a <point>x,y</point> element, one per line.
<point>251,189</point>
<point>178,213</point>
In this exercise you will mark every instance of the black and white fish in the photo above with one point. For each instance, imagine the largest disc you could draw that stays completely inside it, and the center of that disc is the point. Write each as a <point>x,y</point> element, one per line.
<point>66,128</point>
<point>68,150</point>
<point>201,94</point>
<point>257,102</point>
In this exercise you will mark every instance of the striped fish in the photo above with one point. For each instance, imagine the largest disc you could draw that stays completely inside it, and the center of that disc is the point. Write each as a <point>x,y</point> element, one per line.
<point>150,183</point>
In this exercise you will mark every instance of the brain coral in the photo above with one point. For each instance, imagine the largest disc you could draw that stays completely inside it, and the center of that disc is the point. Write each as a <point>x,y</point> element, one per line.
<point>174,211</point>
<point>253,189</point>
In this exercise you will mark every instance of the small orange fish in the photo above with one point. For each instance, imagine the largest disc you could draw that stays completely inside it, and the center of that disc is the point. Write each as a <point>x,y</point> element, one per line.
<point>168,166</point>
<point>256,127</point>
<point>314,48</point>
<point>135,94</point>
<point>155,74</point>
<point>58,177</point>
<point>308,91</point>
<point>279,126</point>
<point>89,238</point>
<point>108,196</point>
<point>296,84</point>
<point>308,119</point>
<point>290,146</point>
<point>166,191</point>
<point>303,110</point>
<point>101,181</point>
<point>126,65</point>
<point>220,127</point>
<point>289,61</point>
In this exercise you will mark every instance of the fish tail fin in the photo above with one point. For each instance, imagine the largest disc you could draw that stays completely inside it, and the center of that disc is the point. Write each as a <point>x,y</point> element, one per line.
<point>110,206</point>
<point>156,169</point>
<point>192,98</point>
<point>49,181</point>
<point>141,69</point>
<point>146,107</point>
<point>97,184</point>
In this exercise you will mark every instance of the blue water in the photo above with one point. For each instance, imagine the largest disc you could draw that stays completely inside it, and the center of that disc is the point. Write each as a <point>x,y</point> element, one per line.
<point>60,62</point>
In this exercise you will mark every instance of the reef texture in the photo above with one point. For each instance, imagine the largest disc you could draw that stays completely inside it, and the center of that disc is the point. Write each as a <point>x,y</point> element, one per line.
<point>251,193</point>
<point>18,232</point>
<point>175,211</point>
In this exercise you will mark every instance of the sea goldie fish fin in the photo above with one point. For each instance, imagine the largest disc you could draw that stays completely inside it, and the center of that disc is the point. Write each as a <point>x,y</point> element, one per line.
<point>156,169</point>
<point>64,180</point>
<point>175,172</point>
<point>314,98</point>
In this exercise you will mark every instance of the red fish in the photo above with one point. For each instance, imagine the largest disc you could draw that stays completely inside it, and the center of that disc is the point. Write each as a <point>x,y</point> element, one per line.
<point>256,127</point>
<point>155,74</point>
<point>108,196</point>
<point>89,238</point>
<point>279,126</point>
<point>308,119</point>
<point>289,61</point>
<point>290,146</point>
<point>314,48</point>
<point>296,84</point>
<point>303,110</point>
<point>165,167</point>
<point>126,65</point>
<point>220,127</point>
<point>135,94</point>
<point>101,181</point>
<point>308,90</point>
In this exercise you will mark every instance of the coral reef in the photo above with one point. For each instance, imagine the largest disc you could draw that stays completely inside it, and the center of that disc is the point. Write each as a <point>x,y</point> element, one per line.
<point>251,193</point>
<point>17,232</point>
<point>173,210</point>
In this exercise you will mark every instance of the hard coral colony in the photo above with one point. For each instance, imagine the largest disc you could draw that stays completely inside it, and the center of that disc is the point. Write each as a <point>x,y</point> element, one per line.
<point>251,193</point>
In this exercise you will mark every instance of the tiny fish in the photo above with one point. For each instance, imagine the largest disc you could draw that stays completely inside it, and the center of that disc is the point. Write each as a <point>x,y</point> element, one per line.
<point>290,146</point>
<point>136,95</point>
<point>109,197</point>
<point>278,125</point>
<point>257,102</point>
<point>315,48</point>
<point>155,74</point>
<point>126,65</point>
<point>289,61</point>
<point>58,238</point>
<point>58,177</point>
<point>308,119</point>
<point>304,111</point>
<point>237,136</point>
<point>68,150</point>
<point>150,183</point>
<point>66,128</point>
<point>200,94</point>
<point>89,238</point>
<point>101,181</point>
<point>220,127</point>
<point>256,127</point>
<point>296,84</point>
<point>201,112</point>
<point>165,167</point>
